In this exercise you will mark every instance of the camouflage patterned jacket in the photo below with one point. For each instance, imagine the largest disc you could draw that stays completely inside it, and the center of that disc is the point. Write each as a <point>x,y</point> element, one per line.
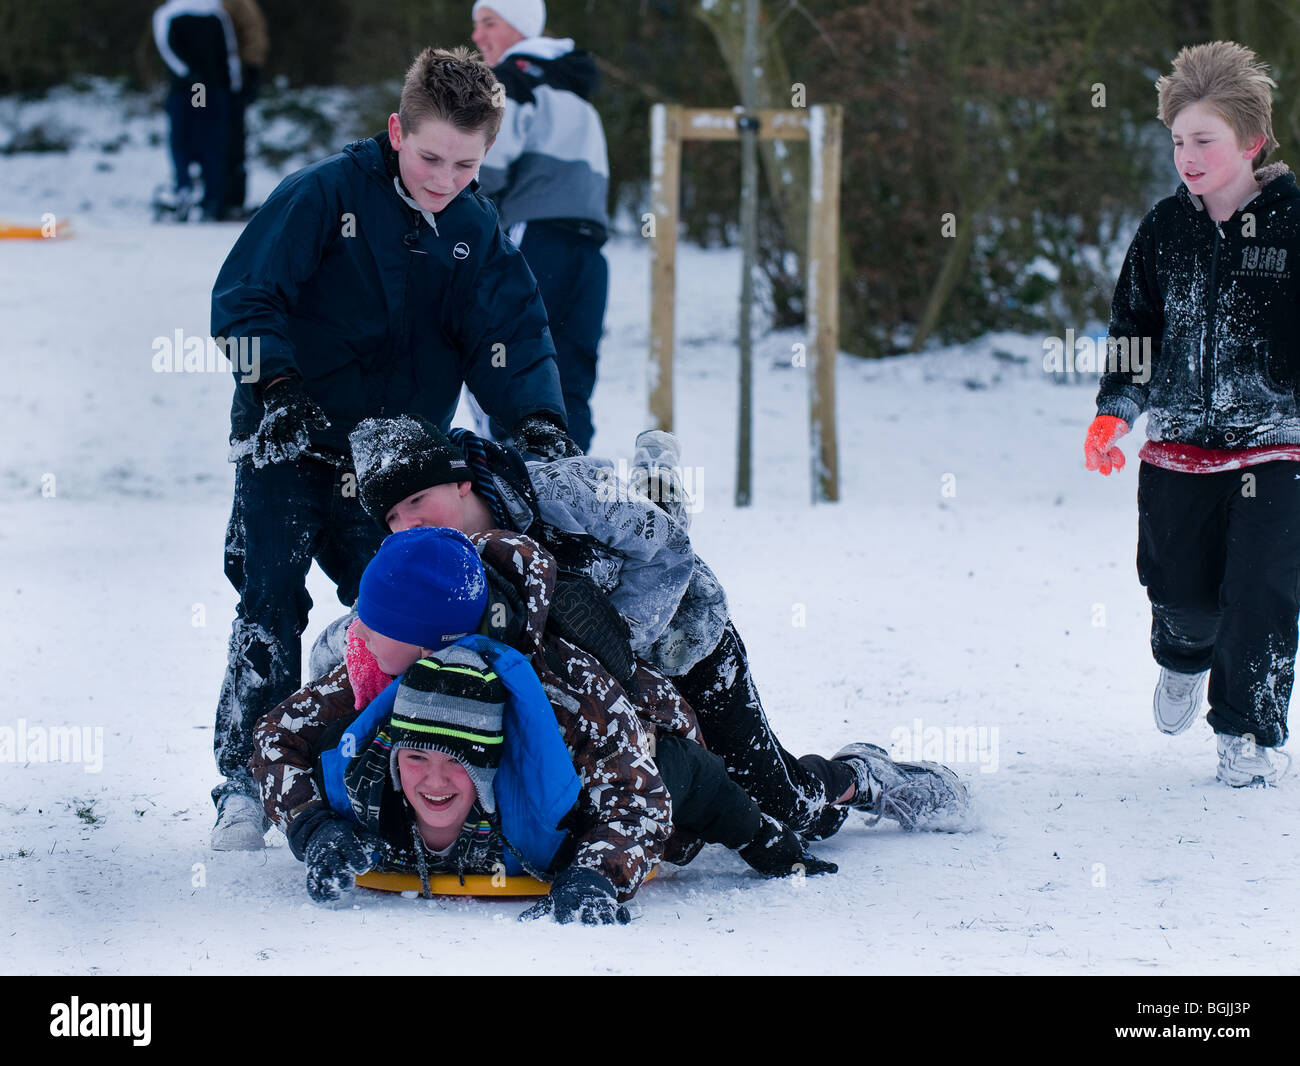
<point>624,817</point>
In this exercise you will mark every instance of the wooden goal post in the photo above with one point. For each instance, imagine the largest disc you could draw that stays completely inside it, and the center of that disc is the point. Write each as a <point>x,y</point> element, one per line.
<point>821,126</point>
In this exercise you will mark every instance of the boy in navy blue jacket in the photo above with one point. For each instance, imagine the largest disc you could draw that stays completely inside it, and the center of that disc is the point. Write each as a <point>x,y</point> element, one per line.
<point>374,282</point>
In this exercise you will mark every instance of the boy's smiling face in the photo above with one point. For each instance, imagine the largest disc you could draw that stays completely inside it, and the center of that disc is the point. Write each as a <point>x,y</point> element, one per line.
<point>1206,152</point>
<point>436,159</point>
<point>438,789</point>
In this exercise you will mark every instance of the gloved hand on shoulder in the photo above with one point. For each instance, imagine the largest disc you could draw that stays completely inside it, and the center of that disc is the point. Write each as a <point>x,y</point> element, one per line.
<point>541,436</point>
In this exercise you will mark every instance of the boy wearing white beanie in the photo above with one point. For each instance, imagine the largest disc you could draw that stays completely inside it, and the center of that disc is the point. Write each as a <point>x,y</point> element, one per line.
<point>549,173</point>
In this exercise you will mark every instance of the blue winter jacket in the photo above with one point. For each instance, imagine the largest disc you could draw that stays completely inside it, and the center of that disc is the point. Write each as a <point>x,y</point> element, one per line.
<point>338,280</point>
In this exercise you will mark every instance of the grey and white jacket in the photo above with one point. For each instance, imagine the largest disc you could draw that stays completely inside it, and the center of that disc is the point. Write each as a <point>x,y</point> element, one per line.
<point>549,160</point>
<point>638,551</point>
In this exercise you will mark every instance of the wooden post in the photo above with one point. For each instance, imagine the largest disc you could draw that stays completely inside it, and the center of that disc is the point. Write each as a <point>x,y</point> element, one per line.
<point>822,127</point>
<point>825,133</point>
<point>749,127</point>
<point>665,185</point>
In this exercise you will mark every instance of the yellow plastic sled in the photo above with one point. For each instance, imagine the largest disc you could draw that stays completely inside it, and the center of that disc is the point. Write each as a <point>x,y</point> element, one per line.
<point>449,884</point>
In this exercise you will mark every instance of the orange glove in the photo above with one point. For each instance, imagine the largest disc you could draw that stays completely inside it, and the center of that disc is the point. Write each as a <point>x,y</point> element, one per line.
<point>1099,451</point>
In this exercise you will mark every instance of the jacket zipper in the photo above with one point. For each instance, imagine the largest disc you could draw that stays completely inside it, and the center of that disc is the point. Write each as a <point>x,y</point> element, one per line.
<point>1208,346</point>
<point>410,239</point>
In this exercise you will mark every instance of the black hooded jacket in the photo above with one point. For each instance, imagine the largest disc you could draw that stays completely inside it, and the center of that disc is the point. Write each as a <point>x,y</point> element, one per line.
<point>1219,306</point>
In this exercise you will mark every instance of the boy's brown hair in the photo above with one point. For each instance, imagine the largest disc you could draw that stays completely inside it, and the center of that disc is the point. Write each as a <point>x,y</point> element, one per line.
<point>1229,78</point>
<point>453,85</point>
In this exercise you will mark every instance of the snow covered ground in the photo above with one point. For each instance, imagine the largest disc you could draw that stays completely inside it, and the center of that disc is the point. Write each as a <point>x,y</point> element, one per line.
<point>974,579</point>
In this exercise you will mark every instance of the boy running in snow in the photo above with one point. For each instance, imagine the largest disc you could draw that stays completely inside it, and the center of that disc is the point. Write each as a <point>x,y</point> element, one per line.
<point>421,592</point>
<point>639,555</point>
<point>374,281</point>
<point>1211,282</point>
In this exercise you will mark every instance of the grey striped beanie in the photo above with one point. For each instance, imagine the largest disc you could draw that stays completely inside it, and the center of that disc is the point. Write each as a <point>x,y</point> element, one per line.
<point>452,702</point>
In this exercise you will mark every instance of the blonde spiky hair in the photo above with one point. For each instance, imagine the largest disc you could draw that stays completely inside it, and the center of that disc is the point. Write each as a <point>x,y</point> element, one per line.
<point>1229,78</point>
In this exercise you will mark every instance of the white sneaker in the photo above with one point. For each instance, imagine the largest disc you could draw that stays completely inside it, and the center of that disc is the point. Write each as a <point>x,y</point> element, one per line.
<point>241,825</point>
<point>1243,762</point>
<point>1178,698</point>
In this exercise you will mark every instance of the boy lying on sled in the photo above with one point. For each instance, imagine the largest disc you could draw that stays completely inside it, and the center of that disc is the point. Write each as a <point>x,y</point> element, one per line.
<point>593,822</point>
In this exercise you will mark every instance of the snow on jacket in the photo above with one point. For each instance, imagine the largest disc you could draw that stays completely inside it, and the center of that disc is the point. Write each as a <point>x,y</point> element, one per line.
<point>1220,303</point>
<point>197,41</point>
<point>640,555</point>
<point>549,160</point>
<point>381,308</point>
<point>624,818</point>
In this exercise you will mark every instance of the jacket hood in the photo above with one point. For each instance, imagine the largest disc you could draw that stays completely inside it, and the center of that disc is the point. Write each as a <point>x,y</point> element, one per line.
<point>369,153</point>
<point>568,69</point>
<point>539,48</point>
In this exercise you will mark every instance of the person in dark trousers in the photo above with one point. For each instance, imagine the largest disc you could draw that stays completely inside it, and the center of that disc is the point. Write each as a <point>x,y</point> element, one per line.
<point>374,281</point>
<point>197,41</point>
<point>250,34</point>
<point>1204,321</point>
<point>549,173</point>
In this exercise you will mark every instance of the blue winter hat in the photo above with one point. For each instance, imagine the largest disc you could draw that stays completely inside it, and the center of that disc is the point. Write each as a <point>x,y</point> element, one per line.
<point>425,586</point>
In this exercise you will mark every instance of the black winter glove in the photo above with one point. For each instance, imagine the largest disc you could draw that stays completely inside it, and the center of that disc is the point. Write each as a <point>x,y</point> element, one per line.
<point>284,433</point>
<point>582,614</point>
<point>335,856</point>
<point>581,895</point>
<point>505,615</point>
<point>544,439</point>
<point>778,852</point>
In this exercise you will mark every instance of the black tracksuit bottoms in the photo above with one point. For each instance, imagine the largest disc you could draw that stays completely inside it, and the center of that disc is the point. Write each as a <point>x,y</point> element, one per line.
<point>1219,555</point>
<point>800,792</point>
